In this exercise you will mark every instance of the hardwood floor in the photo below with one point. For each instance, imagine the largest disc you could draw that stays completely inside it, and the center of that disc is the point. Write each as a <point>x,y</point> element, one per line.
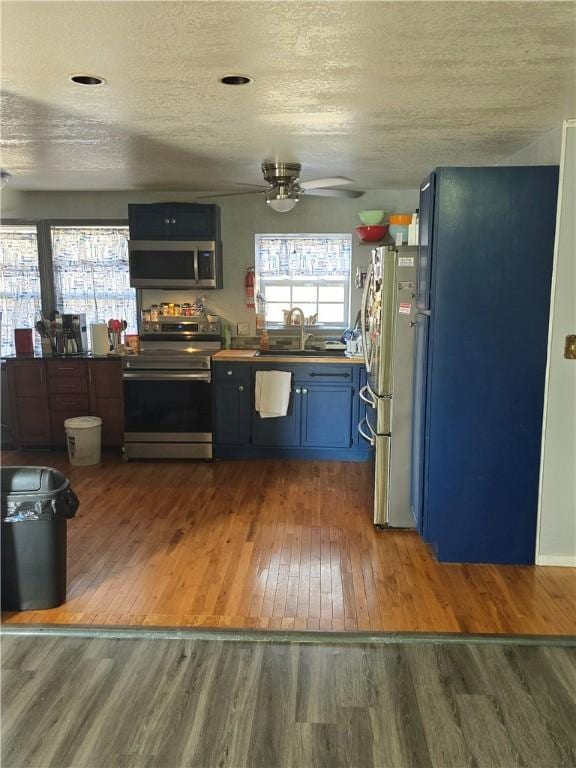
<point>155,703</point>
<point>274,544</point>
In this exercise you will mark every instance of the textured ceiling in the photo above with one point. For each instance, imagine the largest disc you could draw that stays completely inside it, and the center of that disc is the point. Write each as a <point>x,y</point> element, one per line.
<point>380,92</point>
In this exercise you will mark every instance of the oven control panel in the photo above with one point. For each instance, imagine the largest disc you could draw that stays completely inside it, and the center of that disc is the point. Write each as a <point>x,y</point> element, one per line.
<point>181,325</point>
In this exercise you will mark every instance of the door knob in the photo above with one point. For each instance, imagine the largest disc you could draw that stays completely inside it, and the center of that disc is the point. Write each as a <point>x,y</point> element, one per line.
<point>240,388</point>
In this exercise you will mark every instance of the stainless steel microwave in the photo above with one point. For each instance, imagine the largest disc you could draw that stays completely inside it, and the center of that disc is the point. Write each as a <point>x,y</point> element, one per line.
<point>175,264</point>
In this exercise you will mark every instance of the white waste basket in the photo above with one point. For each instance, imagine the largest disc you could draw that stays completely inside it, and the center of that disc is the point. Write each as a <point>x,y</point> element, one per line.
<point>83,440</point>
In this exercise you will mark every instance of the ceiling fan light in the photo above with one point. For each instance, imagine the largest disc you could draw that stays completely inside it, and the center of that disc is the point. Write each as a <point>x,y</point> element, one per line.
<point>282,204</point>
<point>282,199</point>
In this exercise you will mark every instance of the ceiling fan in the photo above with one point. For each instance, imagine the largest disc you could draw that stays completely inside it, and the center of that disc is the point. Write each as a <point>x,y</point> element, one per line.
<point>284,188</point>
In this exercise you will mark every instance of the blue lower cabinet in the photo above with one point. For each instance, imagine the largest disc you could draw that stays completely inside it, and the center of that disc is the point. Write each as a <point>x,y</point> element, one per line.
<point>232,408</point>
<point>321,422</point>
<point>280,431</point>
<point>326,416</point>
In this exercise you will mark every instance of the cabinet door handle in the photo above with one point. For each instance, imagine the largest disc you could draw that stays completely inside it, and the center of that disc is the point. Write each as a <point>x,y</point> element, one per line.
<point>166,221</point>
<point>240,388</point>
<point>298,390</point>
<point>304,391</point>
<point>42,374</point>
<point>229,373</point>
<point>331,375</point>
<point>90,375</point>
<point>172,221</point>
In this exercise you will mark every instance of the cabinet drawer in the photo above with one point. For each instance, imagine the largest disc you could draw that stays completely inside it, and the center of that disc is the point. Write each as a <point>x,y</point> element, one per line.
<point>325,372</point>
<point>64,402</point>
<point>318,372</point>
<point>64,385</point>
<point>66,368</point>
<point>232,372</point>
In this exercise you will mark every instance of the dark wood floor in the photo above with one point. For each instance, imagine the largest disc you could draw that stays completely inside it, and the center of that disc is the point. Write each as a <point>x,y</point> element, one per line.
<point>274,544</point>
<point>106,703</point>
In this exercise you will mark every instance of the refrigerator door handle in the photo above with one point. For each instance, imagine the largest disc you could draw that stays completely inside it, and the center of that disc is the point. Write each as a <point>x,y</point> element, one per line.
<point>363,316</point>
<point>367,398</point>
<point>363,434</point>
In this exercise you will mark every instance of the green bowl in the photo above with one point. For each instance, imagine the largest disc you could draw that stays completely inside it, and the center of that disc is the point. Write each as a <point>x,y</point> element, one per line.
<point>371,218</point>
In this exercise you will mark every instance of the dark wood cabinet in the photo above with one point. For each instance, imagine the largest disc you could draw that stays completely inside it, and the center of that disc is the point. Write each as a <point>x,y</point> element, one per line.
<point>174,221</point>
<point>30,417</point>
<point>44,393</point>
<point>106,398</point>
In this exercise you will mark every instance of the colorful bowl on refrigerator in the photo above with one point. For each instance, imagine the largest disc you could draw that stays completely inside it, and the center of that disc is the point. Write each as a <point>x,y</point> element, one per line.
<point>395,229</point>
<point>403,219</point>
<point>371,218</point>
<point>372,234</point>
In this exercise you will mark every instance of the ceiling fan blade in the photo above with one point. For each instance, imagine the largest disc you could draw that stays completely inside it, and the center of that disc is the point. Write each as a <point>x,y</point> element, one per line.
<point>333,181</point>
<point>232,194</point>
<point>335,192</point>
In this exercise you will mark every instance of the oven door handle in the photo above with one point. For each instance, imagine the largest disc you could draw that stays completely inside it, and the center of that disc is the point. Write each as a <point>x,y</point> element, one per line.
<point>167,376</point>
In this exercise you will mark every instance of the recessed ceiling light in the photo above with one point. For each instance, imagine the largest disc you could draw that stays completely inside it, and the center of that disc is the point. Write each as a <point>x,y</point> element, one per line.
<point>87,79</point>
<point>236,80</point>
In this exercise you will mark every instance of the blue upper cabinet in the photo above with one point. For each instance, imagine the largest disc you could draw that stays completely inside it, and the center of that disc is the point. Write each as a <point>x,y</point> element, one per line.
<point>174,221</point>
<point>481,358</point>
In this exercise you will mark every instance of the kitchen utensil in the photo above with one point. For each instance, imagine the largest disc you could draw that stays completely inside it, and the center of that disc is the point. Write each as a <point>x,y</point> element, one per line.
<point>372,234</point>
<point>396,229</point>
<point>400,218</point>
<point>371,218</point>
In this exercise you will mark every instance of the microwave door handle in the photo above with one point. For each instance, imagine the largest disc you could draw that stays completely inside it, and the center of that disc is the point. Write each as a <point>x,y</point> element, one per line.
<point>196,263</point>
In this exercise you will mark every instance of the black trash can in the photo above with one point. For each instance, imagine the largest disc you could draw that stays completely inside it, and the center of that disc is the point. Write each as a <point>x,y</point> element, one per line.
<point>36,503</point>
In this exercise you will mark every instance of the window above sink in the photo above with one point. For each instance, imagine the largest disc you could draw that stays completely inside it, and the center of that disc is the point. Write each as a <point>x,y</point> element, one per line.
<point>310,271</point>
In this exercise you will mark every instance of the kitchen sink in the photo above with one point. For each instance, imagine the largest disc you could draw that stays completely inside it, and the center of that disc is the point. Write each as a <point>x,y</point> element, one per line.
<point>301,353</point>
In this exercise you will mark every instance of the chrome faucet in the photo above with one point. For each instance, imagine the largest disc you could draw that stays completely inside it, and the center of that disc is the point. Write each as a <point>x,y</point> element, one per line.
<point>303,336</point>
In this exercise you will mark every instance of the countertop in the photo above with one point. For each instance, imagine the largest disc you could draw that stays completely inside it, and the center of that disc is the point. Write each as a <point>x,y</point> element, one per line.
<point>60,358</point>
<point>249,356</point>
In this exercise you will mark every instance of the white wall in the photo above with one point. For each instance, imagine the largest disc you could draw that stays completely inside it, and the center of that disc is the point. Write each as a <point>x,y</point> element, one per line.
<point>242,218</point>
<point>556,543</point>
<point>544,151</point>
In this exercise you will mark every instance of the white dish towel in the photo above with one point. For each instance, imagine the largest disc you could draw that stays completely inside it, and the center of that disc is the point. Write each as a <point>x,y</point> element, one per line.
<point>272,393</point>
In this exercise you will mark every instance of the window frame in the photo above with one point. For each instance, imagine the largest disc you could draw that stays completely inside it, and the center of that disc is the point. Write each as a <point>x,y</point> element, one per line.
<point>316,282</point>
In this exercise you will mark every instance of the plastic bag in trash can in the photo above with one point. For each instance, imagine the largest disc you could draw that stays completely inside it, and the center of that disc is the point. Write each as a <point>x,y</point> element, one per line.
<point>36,493</point>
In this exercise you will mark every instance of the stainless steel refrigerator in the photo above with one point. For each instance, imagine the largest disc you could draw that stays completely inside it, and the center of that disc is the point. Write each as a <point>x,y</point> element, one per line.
<point>388,342</point>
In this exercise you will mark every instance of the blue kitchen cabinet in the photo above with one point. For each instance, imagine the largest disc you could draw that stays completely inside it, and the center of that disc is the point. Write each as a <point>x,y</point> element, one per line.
<point>322,417</point>
<point>280,431</point>
<point>326,415</point>
<point>232,407</point>
<point>174,221</point>
<point>484,274</point>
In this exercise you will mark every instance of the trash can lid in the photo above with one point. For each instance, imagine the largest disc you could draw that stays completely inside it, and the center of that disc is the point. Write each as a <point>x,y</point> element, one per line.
<point>82,422</point>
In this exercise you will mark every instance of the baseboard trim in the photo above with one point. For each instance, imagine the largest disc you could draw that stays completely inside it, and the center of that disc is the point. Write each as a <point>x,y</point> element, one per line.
<point>566,561</point>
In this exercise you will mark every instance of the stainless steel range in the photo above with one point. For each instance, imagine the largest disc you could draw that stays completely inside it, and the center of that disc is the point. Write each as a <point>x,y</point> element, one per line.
<point>168,390</point>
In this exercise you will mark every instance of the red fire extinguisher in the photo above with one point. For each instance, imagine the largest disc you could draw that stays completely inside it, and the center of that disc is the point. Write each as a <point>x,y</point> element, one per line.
<point>249,286</point>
